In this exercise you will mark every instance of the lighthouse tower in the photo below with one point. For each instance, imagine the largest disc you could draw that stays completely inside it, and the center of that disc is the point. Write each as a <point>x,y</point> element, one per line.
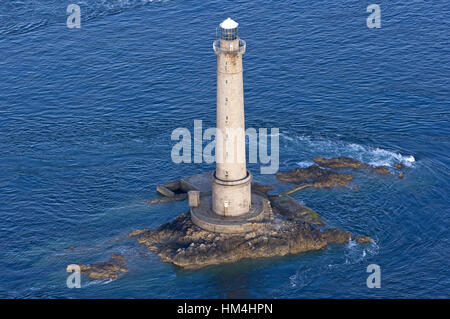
<point>222,201</point>
<point>231,187</point>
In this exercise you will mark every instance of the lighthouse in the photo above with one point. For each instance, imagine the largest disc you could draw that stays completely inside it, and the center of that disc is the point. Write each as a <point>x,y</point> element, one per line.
<point>231,187</point>
<point>222,200</point>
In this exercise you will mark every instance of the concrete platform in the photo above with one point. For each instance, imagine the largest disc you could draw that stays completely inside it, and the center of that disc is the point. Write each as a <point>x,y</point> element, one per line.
<point>259,217</point>
<point>203,216</point>
<point>200,182</point>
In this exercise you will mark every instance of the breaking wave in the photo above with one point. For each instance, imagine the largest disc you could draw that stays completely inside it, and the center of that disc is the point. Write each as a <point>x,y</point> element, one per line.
<point>373,156</point>
<point>354,253</point>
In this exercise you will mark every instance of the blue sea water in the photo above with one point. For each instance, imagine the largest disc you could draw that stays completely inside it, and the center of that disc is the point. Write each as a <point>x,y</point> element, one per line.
<point>86,116</point>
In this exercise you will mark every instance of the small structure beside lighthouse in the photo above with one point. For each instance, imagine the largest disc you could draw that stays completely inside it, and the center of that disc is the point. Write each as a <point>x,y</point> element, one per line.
<point>231,188</point>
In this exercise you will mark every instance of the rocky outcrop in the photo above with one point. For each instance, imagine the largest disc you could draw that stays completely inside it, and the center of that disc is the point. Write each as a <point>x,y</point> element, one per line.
<point>186,245</point>
<point>292,210</point>
<point>334,235</point>
<point>314,176</point>
<point>381,170</point>
<point>348,162</point>
<point>106,270</point>
<point>363,239</point>
<point>339,162</point>
<point>293,228</point>
<point>137,232</point>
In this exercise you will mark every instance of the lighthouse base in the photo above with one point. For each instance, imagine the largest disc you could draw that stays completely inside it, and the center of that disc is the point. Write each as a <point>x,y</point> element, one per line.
<point>258,217</point>
<point>232,198</point>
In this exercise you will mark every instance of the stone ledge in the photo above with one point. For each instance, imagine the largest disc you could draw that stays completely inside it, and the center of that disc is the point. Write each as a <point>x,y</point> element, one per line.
<point>204,217</point>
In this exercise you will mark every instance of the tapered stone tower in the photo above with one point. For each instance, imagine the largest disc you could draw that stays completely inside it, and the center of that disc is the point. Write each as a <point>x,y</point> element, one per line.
<point>222,201</point>
<point>231,188</point>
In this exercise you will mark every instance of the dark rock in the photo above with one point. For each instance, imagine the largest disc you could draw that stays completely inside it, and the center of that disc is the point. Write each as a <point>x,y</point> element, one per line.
<point>314,176</point>
<point>106,270</point>
<point>363,239</point>
<point>381,170</point>
<point>339,162</point>
<point>137,232</point>
<point>292,210</point>
<point>343,162</point>
<point>334,235</point>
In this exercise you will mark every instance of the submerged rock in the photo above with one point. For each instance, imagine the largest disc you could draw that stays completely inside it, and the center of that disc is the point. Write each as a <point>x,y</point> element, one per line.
<point>363,239</point>
<point>345,162</point>
<point>381,170</point>
<point>177,197</point>
<point>339,162</point>
<point>106,270</point>
<point>137,232</point>
<point>399,166</point>
<point>291,209</point>
<point>314,176</point>
<point>400,175</point>
<point>334,235</point>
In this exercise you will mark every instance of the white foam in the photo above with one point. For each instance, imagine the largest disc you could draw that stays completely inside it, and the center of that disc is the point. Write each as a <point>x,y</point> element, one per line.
<point>304,164</point>
<point>373,156</point>
<point>286,136</point>
<point>98,282</point>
